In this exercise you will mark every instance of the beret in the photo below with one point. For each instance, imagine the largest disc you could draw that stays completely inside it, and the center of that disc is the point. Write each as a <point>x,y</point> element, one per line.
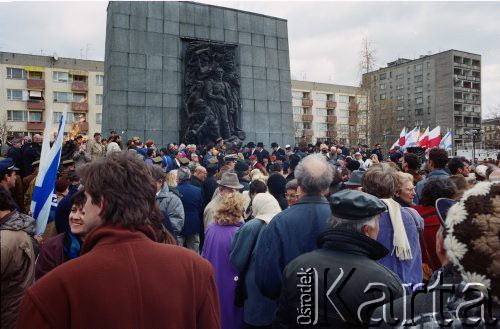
<point>355,205</point>
<point>184,161</point>
<point>213,160</point>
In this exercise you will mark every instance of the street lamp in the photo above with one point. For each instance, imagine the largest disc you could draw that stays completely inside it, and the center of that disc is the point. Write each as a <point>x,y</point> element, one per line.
<point>475,136</point>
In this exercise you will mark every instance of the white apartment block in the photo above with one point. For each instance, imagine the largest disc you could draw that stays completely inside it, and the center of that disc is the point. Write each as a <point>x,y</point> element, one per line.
<point>329,112</point>
<point>31,84</point>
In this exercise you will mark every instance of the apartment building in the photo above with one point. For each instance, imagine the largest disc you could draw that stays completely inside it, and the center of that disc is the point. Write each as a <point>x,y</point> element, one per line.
<point>491,138</point>
<point>441,89</point>
<point>31,84</point>
<point>329,112</point>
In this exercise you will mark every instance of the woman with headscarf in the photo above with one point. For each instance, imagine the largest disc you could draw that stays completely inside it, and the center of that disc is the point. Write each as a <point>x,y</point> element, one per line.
<point>258,310</point>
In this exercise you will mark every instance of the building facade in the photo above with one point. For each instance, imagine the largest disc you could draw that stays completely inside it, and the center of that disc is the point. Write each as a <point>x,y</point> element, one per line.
<point>329,112</point>
<point>442,89</point>
<point>30,84</point>
<point>491,138</point>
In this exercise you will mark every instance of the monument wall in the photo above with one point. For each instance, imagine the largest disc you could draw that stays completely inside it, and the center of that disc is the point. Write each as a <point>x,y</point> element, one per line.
<point>145,83</point>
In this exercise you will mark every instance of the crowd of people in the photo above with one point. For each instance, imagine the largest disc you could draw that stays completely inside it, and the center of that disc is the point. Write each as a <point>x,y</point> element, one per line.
<point>223,235</point>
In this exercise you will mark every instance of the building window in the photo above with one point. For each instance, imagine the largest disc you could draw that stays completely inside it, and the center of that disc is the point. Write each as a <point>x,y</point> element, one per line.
<point>418,89</point>
<point>363,100</point>
<point>298,125</point>
<point>15,94</point>
<point>401,86</point>
<point>428,98</point>
<point>62,97</point>
<point>60,76</point>
<point>75,117</point>
<point>320,96</point>
<point>79,98</point>
<point>399,76</point>
<point>24,116</point>
<point>419,78</point>
<point>428,76</point>
<point>382,96</point>
<point>296,94</point>
<point>320,126</point>
<point>401,98</point>
<point>343,99</point>
<point>342,113</point>
<point>382,86</point>
<point>15,73</point>
<point>297,110</point>
<point>35,116</point>
<point>17,115</point>
<point>400,108</point>
<point>99,80</point>
<point>418,67</point>
<point>419,100</point>
<point>98,118</point>
<point>383,76</point>
<point>56,117</point>
<point>321,112</point>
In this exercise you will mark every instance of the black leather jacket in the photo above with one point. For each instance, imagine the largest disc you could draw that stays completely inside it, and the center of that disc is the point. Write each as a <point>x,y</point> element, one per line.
<point>346,256</point>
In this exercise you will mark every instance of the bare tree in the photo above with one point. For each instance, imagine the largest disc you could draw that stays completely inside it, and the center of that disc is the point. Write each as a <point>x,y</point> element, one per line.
<point>4,127</point>
<point>382,113</point>
<point>367,56</point>
<point>491,127</point>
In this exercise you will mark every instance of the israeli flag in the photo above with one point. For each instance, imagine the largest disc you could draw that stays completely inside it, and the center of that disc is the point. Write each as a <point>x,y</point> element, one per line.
<point>44,198</point>
<point>446,142</point>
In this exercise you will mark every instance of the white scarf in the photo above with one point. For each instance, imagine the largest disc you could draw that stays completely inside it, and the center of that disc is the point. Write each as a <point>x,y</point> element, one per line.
<point>400,240</point>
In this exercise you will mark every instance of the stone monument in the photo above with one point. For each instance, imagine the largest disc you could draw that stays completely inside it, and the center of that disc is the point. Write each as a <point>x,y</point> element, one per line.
<point>190,72</point>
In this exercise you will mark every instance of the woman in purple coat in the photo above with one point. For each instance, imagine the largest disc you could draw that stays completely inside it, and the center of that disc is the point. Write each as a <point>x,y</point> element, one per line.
<point>217,250</point>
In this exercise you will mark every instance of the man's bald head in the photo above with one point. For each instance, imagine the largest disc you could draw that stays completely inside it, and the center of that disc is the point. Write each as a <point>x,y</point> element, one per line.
<point>314,174</point>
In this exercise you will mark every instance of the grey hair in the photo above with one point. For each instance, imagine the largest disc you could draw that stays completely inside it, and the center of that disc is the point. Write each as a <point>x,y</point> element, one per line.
<point>292,185</point>
<point>353,225</point>
<point>380,181</point>
<point>314,174</point>
<point>183,174</point>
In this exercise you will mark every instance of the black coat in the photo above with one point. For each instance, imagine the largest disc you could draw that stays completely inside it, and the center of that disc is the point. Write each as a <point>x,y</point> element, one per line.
<point>340,251</point>
<point>262,154</point>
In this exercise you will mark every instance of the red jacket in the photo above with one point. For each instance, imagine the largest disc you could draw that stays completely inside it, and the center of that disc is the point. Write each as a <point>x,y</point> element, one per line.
<point>431,226</point>
<point>124,280</point>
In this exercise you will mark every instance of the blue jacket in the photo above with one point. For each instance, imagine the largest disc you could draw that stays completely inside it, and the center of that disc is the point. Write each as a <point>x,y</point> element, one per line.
<point>258,310</point>
<point>192,200</point>
<point>409,271</point>
<point>440,173</point>
<point>290,233</point>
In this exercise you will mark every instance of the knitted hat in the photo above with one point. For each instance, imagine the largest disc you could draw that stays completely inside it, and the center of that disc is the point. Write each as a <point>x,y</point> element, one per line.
<point>473,236</point>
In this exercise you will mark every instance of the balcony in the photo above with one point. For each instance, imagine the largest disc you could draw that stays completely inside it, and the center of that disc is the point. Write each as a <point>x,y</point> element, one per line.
<point>84,126</point>
<point>353,121</point>
<point>331,119</point>
<point>79,86</point>
<point>331,104</point>
<point>307,117</point>
<point>35,84</point>
<point>332,133</point>
<point>79,107</point>
<point>353,106</point>
<point>306,102</point>
<point>35,105</point>
<point>35,125</point>
<point>308,132</point>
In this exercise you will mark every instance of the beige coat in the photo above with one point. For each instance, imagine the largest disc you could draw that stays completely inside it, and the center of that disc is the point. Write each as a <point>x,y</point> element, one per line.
<point>95,149</point>
<point>18,272</point>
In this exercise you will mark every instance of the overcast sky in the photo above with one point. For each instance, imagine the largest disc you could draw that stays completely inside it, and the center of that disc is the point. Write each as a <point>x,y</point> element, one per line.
<point>324,37</point>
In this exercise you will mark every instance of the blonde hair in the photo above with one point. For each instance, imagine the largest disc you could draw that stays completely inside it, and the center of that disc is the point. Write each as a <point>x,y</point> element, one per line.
<point>256,174</point>
<point>403,178</point>
<point>171,178</point>
<point>230,210</point>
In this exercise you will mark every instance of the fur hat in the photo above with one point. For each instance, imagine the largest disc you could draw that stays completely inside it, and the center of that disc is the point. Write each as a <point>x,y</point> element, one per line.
<point>472,239</point>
